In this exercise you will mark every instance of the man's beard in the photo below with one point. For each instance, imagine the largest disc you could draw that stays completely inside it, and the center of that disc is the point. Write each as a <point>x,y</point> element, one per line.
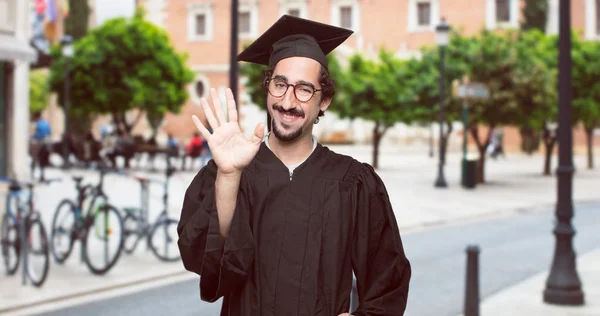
<point>278,133</point>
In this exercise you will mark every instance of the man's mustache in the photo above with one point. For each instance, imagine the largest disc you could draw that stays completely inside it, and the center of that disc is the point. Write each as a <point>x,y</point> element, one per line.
<point>294,111</point>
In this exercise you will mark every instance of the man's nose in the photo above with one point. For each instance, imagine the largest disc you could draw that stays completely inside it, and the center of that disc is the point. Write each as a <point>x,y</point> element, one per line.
<point>289,99</point>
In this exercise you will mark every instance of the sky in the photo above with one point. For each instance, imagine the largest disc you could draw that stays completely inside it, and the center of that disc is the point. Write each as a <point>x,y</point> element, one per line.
<point>108,9</point>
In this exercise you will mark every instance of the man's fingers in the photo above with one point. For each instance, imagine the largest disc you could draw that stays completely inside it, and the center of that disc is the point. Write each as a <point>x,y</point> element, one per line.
<point>231,110</point>
<point>217,105</point>
<point>205,133</point>
<point>212,121</point>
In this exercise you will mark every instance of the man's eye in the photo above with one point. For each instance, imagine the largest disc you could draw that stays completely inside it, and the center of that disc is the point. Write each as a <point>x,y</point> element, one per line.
<point>280,85</point>
<point>306,90</point>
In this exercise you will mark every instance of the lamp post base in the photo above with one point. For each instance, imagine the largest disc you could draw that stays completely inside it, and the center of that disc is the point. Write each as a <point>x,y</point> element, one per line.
<point>563,296</point>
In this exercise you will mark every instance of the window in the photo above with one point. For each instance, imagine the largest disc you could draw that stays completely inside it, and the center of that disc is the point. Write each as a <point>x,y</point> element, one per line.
<point>247,20</point>
<point>424,13</point>
<point>502,14</point>
<point>346,17</point>
<point>244,23</point>
<point>294,12</point>
<point>346,14</point>
<point>198,89</point>
<point>502,11</point>
<point>200,22</point>
<point>297,8</point>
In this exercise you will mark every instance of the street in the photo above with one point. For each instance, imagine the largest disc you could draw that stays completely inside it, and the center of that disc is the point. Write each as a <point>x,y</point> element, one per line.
<point>512,249</point>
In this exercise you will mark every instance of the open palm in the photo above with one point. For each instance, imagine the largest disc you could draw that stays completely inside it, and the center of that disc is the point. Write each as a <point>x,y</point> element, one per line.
<point>231,151</point>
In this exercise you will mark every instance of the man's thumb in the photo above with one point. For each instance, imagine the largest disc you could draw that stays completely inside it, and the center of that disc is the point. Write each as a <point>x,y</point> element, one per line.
<point>259,133</point>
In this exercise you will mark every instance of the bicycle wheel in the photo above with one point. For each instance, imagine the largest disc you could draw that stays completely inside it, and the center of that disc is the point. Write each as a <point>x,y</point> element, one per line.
<point>130,233</point>
<point>163,240</point>
<point>103,240</point>
<point>11,254</point>
<point>38,254</point>
<point>62,232</point>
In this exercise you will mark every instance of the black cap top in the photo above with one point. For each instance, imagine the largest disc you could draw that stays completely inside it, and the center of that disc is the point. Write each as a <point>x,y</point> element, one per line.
<point>291,36</point>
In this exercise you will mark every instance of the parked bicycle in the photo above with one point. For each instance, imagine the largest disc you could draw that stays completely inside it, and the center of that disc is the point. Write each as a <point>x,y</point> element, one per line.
<point>100,228</point>
<point>23,234</point>
<point>161,236</point>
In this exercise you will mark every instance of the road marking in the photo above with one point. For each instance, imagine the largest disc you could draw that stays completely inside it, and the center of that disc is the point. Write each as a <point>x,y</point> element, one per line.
<point>103,294</point>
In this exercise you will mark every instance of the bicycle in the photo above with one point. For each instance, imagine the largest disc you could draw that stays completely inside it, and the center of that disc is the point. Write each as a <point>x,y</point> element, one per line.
<point>102,221</point>
<point>137,225</point>
<point>18,231</point>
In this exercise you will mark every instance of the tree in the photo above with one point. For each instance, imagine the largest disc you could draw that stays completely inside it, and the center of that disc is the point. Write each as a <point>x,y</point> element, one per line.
<point>39,91</point>
<point>76,23</point>
<point>586,89</point>
<point>492,61</point>
<point>535,15</point>
<point>535,88</point>
<point>125,64</point>
<point>381,91</point>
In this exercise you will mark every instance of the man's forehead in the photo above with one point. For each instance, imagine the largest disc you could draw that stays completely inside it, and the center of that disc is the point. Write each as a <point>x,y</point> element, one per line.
<point>297,69</point>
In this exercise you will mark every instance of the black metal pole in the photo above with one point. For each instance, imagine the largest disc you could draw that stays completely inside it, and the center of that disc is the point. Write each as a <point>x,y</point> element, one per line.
<point>233,66</point>
<point>66,132</point>
<point>441,181</point>
<point>563,285</point>
<point>471,307</point>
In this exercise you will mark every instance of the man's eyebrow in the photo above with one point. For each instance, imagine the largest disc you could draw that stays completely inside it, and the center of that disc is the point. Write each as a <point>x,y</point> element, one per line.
<point>284,78</point>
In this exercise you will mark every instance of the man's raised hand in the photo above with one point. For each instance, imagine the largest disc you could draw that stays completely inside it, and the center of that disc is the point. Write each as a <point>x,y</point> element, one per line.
<point>231,151</point>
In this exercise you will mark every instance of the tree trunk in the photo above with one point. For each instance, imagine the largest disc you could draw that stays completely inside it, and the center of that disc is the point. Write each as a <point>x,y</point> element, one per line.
<point>445,141</point>
<point>549,142</point>
<point>589,132</point>
<point>481,147</point>
<point>378,132</point>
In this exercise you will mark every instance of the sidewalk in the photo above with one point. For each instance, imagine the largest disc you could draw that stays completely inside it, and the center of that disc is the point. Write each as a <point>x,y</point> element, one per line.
<point>526,298</point>
<point>514,185</point>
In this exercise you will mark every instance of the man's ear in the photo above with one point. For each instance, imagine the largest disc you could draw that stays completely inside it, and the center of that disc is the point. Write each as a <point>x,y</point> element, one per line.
<point>325,104</point>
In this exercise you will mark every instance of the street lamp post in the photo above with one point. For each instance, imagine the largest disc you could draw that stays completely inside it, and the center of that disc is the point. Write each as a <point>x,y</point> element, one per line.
<point>233,66</point>
<point>442,38</point>
<point>563,285</point>
<point>67,52</point>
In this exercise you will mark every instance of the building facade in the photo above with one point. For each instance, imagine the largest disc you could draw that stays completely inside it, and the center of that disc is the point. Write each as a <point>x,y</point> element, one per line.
<point>16,55</point>
<point>201,28</point>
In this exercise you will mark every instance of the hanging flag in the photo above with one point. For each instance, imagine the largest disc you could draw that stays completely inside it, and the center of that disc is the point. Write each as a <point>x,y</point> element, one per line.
<point>65,8</point>
<point>40,6</point>
<point>51,11</point>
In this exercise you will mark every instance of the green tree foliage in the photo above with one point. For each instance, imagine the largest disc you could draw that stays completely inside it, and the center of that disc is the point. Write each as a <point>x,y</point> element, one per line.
<point>535,82</point>
<point>382,91</point>
<point>586,89</point>
<point>535,15</point>
<point>39,91</point>
<point>76,23</point>
<point>125,63</point>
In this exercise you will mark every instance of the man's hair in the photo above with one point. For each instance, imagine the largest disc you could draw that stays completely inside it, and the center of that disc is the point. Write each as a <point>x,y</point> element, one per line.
<point>325,80</point>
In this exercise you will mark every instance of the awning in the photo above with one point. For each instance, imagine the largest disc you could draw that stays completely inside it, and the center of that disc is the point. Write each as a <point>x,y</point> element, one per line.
<point>14,49</point>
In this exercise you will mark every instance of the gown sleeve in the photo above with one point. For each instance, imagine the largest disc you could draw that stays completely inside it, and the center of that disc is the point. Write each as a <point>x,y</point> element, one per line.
<point>222,263</point>
<point>381,268</point>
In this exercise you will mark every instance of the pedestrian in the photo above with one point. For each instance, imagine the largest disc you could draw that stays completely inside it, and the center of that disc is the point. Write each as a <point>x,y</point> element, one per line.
<point>278,224</point>
<point>40,146</point>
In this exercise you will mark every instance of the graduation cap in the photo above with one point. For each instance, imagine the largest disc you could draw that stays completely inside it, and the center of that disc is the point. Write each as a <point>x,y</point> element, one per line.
<point>291,36</point>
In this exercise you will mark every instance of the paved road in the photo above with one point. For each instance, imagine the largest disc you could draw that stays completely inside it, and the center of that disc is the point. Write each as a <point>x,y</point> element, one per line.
<point>512,249</point>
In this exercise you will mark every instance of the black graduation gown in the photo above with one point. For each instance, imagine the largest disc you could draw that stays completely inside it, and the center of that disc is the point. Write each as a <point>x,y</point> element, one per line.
<point>295,240</point>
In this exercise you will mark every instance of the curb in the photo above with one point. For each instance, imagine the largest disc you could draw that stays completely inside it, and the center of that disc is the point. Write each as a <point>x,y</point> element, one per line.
<point>98,290</point>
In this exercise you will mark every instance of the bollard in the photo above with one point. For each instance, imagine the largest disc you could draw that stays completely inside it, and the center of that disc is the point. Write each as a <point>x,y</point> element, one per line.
<point>353,297</point>
<point>472,282</point>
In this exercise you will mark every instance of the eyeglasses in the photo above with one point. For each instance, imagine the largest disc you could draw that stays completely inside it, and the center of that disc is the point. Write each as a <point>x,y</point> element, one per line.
<point>303,92</point>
